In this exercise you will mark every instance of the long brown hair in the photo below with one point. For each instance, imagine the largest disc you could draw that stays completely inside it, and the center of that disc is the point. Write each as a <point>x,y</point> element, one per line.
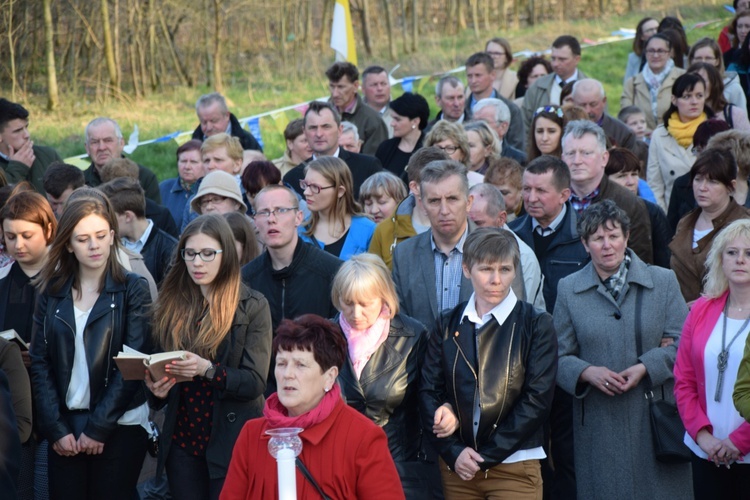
<point>335,171</point>
<point>61,263</point>
<point>183,318</point>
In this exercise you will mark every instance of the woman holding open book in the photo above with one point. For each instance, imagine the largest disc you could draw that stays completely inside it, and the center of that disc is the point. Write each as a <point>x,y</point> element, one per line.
<point>88,308</point>
<point>225,327</point>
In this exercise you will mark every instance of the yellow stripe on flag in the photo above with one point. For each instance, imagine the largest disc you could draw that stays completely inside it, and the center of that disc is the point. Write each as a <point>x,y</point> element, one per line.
<point>342,33</point>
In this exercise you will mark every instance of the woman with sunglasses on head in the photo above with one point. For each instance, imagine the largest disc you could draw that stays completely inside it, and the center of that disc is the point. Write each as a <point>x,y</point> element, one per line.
<point>545,133</point>
<point>337,224</point>
<point>204,309</point>
<point>88,308</point>
<point>670,153</point>
<point>650,89</point>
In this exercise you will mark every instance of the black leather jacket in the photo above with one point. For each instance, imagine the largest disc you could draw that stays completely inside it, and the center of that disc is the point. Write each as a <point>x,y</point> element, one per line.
<point>514,367</point>
<point>386,393</point>
<point>118,317</point>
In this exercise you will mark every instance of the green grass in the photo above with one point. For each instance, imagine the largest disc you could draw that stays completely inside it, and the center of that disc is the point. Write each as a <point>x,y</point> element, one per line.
<point>302,79</point>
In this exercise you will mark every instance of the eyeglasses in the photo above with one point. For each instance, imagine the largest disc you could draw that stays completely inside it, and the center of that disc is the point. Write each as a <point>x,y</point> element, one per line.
<point>448,149</point>
<point>555,110</point>
<point>496,54</point>
<point>653,52</point>
<point>207,254</point>
<point>265,214</point>
<point>205,200</point>
<point>584,154</point>
<point>704,59</point>
<point>314,188</point>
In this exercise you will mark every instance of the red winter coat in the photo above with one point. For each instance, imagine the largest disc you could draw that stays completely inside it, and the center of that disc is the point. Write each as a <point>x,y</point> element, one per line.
<point>347,455</point>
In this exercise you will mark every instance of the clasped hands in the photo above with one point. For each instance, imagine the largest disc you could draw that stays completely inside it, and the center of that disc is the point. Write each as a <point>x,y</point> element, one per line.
<point>719,451</point>
<point>67,446</point>
<point>613,383</point>
<point>445,423</point>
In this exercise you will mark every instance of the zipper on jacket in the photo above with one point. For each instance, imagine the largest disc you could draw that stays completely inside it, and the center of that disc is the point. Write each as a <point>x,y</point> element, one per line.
<point>111,334</point>
<point>283,298</point>
<point>507,376</point>
<point>455,394</point>
<point>476,377</point>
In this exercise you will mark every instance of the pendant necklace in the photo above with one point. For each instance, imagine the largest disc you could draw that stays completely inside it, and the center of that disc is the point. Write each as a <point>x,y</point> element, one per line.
<point>723,357</point>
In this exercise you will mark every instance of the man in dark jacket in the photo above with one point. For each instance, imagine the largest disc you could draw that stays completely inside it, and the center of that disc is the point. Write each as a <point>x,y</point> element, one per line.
<point>104,142</point>
<point>294,276</point>
<point>343,82</point>
<point>585,152</point>
<point>137,233</point>
<point>549,228</point>
<point>496,114</point>
<point>20,159</point>
<point>215,118</point>
<point>323,129</point>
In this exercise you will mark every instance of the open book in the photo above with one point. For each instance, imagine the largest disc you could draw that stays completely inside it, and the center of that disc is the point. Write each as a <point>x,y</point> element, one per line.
<point>132,363</point>
<point>12,336</point>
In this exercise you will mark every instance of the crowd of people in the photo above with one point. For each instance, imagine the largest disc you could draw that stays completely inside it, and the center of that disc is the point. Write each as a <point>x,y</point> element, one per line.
<point>488,304</point>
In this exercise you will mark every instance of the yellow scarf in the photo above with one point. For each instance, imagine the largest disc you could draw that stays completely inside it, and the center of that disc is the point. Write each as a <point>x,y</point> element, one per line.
<point>684,132</point>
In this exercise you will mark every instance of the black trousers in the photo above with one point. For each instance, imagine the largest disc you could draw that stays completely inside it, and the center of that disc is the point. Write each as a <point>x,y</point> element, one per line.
<point>558,469</point>
<point>112,475</point>
<point>188,476</point>
<point>711,482</point>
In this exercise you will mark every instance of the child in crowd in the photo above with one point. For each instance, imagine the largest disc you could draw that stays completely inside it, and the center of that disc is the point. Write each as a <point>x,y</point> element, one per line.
<point>635,119</point>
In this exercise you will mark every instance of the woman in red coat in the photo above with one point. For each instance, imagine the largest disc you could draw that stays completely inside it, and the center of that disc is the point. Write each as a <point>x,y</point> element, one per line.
<point>346,454</point>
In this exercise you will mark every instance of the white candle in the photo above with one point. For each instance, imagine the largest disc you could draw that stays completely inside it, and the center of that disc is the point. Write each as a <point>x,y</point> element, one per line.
<point>287,474</point>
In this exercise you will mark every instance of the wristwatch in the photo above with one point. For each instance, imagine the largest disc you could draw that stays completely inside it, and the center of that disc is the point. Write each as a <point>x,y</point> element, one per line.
<point>210,372</point>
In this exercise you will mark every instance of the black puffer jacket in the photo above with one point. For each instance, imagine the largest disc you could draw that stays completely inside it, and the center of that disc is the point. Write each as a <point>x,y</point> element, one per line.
<point>386,392</point>
<point>117,318</point>
<point>245,352</point>
<point>515,369</point>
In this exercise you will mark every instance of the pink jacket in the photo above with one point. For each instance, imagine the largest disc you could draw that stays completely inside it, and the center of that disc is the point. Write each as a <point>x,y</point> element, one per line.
<point>689,372</point>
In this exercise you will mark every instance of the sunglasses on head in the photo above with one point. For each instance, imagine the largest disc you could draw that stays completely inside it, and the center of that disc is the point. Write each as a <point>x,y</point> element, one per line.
<point>549,109</point>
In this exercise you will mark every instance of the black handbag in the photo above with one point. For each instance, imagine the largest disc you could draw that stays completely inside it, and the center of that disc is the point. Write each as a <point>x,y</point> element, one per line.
<point>667,429</point>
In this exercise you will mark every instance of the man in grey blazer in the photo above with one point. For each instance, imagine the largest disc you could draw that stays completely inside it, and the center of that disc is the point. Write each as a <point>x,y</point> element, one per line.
<point>427,268</point>
<point>566,53</point>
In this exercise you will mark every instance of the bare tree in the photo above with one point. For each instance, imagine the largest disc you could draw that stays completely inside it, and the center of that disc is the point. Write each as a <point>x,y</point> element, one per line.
<point>109,52</point>
<point>49,48</point>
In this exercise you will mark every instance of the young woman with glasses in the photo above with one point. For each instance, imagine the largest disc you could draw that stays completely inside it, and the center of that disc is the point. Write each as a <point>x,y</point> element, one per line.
<point>337,223</point>
<point>651,89</point>
<point>225,327</point>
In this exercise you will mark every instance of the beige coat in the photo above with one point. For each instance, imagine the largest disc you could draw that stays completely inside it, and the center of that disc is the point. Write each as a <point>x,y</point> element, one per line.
<point>507,85</point>
<point>635,93</point>
<point>667,160</point>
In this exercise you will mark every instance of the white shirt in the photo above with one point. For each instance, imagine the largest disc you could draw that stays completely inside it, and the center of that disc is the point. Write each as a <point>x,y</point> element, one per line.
<point>500,312</point>
<point>722,414</point>
<point>532,273</point>
<point>137,245</point>
<point>79,388</point>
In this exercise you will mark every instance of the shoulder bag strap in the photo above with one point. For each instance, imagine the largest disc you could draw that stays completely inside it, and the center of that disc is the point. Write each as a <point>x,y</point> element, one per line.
<point>309,477</point>
<point>728,115</point>
<point>638,333</point>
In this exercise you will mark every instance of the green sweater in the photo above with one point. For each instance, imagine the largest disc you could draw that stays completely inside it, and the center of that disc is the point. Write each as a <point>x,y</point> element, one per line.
<point>15,171</point>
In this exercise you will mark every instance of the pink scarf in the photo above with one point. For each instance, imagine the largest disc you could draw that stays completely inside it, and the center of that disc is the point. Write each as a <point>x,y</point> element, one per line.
<point>363,343</point>
<point>278,416</point>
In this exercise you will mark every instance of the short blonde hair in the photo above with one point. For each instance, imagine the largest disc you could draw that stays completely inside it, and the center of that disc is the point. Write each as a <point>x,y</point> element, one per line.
<point>445,130</point>
<point>382,183</point>
<point>715,282</point>
<point>230,144</point>
<point>363,277</point>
